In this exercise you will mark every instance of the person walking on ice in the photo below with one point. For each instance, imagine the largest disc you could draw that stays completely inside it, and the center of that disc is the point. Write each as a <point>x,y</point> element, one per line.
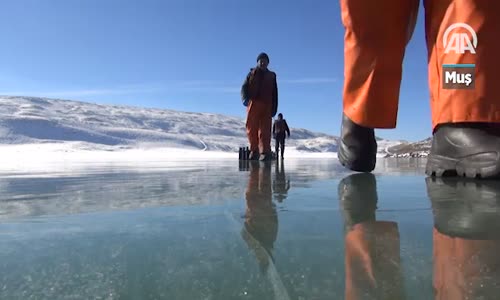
<point>280,129</point>
<point>259,93</point>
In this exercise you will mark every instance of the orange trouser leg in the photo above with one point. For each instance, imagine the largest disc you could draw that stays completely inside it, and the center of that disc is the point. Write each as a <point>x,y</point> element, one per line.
<point>465,269</point>
<point>253,121</point>
<point>372,261</point>
<point>265,133</point>
<point>481,104</point>
<point>376,34</point>
<point>259,124</point>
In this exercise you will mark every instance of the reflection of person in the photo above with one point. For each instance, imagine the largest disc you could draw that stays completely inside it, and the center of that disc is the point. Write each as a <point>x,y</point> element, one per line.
<point>281,184</point>
<point>280,132</point>
<point>261,220</point>
<point>465,122</point>
<point>260,94</point>
<point>466,238</point>
<point>372,255</point>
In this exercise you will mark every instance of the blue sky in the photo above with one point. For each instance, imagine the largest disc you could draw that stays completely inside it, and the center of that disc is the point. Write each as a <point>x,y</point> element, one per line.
<point>193,55</point>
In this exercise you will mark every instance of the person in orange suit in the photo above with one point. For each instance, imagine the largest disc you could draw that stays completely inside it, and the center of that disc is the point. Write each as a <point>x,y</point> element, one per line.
<point>260,94</point>
<point>261,219</point>
<point>372,254</point>
<point>466,238</point>
<point>465,122</point>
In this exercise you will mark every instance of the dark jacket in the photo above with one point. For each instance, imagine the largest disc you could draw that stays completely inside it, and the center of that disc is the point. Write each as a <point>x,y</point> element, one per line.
<point>262,86</point>
<point>280,128</point>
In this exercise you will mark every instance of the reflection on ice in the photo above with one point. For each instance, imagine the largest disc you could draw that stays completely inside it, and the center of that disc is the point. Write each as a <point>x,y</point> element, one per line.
<point>99,187</point>
<point>77,188</point>
<point>221,230</point>
<point>260,228</point>
<point>466,240</point>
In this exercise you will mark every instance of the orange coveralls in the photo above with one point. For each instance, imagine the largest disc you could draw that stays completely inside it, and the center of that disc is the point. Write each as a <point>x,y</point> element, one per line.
<point>376,35</point>
<point>260,111</point>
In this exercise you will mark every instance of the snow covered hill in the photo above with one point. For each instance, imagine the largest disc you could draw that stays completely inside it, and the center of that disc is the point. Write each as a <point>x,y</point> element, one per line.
<point>416,149</point>
<point>30,120</point>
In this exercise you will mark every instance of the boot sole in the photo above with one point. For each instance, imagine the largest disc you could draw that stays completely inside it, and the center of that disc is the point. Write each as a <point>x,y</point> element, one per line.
<point>482,165</point>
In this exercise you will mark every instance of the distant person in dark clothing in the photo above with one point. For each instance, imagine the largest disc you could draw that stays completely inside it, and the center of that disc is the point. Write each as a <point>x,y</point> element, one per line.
<point>280,129</point>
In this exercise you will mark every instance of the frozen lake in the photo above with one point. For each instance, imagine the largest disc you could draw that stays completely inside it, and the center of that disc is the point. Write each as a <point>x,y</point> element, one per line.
<point>219,229</point>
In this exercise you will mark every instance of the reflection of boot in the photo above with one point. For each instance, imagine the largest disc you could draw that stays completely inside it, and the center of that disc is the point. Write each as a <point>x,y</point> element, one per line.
<point>466,238</point>
<point>465,208</point>
<point>358,198</point>
<point>469,151</point>
<point>357,148</point>
<point>372,258</point>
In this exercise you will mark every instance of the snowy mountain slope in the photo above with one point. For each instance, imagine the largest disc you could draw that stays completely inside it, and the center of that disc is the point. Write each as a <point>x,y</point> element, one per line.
<point>30,120</point>
<point>416,149</point>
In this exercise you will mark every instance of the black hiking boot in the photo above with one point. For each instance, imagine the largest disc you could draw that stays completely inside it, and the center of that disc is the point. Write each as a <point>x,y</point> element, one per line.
<point>464,207</point>
<point>266,157</point>
<point>253,156</point>
<point>357,148</point>
<point>468,150</point>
